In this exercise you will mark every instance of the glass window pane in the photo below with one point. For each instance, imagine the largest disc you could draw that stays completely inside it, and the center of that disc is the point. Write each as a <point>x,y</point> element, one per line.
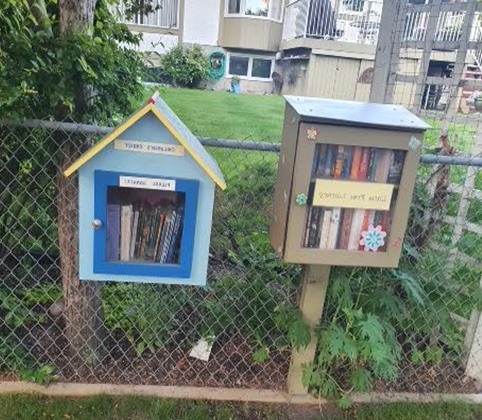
<point>144,226</point>
<point>256,7</point>
<point>261,68</point>
<point>234,6</point>
<point>238,66</point>
<point>351,228</point>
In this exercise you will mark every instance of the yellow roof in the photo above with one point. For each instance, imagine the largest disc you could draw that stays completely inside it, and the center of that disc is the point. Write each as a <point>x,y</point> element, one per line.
<point>174,125</point>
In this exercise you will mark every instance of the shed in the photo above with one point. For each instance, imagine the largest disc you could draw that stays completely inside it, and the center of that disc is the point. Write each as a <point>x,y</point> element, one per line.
<point>146,197</point>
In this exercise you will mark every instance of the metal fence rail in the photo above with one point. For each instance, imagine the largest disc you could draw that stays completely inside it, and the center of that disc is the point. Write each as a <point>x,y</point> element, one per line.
<point>249,306</point>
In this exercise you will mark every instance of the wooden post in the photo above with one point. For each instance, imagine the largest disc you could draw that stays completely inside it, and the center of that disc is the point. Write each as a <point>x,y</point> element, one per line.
<point>473,343</point>
<point>312,300</point>
<point>385,52</point>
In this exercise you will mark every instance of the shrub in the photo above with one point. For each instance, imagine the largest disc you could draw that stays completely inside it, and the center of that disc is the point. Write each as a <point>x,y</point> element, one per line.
<point>185,66</point>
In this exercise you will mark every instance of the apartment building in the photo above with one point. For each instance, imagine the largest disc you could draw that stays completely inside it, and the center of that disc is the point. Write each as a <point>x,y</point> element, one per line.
<point>305,47</point>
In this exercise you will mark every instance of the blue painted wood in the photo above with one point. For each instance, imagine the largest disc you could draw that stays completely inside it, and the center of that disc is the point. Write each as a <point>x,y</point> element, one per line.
<point>151,130</point>
<point>103,180</point>
<point>186,134</point>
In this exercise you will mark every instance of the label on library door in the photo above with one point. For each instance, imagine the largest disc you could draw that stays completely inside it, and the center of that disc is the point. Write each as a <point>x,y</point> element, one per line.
<point>352,195</point>
<point>147,183</point>
<point>149,147</point>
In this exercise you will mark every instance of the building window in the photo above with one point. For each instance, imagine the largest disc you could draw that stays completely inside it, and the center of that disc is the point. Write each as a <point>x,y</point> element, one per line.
<point>261,68</point>
<point>270,9</point>
<point>249,67</point>
<point>161,13</point>
<point>238,66</point>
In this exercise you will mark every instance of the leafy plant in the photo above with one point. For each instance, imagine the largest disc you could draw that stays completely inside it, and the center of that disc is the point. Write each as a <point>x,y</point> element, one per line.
<point>42,375</point>
<point>148,315</point>
<point>185,66</point>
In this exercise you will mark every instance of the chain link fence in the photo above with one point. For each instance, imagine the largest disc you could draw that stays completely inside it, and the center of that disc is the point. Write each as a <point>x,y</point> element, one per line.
<point>408,329</point>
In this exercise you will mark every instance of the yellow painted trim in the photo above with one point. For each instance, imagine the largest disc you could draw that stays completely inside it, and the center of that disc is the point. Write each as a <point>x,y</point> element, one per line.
<point>89,154</point>
<point>221,184</point>
<point>131,121</point>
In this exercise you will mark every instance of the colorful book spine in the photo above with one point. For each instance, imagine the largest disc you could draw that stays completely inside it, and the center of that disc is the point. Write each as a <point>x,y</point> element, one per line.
<point>135,222</point>
<point>396,167</point>
<point>126,225</point>
<point>334,228</point>
<point>325,229</point>
<point>359,214</point>
<point>162,217</point>
<point>113,232</point>
<point>176,237</point>
<point>321,158</point>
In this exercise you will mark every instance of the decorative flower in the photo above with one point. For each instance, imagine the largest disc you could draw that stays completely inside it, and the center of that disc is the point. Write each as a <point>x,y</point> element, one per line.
<point>311,133</point>
<point>301,199</point>
<point>373,238</point>
<point>414,143</point>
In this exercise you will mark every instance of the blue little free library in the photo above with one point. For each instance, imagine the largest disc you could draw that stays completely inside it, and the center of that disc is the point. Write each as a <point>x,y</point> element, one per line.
<point>146,197</point>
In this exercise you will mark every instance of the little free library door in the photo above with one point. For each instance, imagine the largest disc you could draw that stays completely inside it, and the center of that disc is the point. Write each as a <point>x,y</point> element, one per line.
<point>149,225</point>
<point>351,194</point>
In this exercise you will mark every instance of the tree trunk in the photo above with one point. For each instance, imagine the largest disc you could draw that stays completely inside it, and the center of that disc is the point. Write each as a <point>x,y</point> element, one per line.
<point>82,300</point>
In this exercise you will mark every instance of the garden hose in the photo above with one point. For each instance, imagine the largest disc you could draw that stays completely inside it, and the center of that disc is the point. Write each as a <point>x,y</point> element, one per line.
<point>217,65</point>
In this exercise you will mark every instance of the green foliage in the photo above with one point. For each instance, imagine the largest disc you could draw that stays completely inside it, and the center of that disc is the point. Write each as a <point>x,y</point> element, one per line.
<point>42,72</point>
<point>12,354</point>
<point>42,375</point>
<point>146,314</point>
<point>261,355</point>
<point>370,313</point>
<point>185,66</point>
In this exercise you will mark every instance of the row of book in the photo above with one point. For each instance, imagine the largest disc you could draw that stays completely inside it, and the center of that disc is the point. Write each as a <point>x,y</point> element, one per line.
<point>336,228</point>
<point>142,232</point>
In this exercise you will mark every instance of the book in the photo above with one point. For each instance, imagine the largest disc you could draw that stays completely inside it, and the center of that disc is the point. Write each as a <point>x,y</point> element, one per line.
<point>135,222</point>
<point>162,217</point>
<point>345,228</point>
<point>329,161</point>
<point>355,166</point>
<point>140,228</point>
<point>359,214</point>
<point>325,229</point>
<point>306,239</point>
<point>176,237</point>
<point>168,237</point>
<point>372,164</point>
<point>346,224</point>
<point>334,224</point>
<point>113,232</point>
<point>396,167</point>
<point>314,236</point>
<point>384,158</point>
<point>355,231</point>
<point>320,159</point>
<point>341,158</point>
<point>126,225</point>
<point>365,159</point>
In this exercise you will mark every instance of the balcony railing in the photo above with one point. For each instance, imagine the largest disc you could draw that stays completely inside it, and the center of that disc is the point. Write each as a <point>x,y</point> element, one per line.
<point>355,21</point>
<point>165,14</point>
<point>358,21</point>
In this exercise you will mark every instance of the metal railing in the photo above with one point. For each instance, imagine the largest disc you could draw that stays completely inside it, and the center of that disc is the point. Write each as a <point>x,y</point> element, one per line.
<point>356,21</point>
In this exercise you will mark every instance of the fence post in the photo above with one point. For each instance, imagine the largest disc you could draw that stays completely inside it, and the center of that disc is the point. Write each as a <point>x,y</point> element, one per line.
<point>312,300</point>
<point>384,52</point>
<point>473,343</point>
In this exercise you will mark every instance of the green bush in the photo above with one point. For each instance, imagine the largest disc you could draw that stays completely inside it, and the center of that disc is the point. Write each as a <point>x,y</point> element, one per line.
<point>185,66</point>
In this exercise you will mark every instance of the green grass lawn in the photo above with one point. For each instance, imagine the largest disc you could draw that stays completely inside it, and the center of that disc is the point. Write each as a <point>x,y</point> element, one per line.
<point>227,116</point>
<point>24,407</point>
